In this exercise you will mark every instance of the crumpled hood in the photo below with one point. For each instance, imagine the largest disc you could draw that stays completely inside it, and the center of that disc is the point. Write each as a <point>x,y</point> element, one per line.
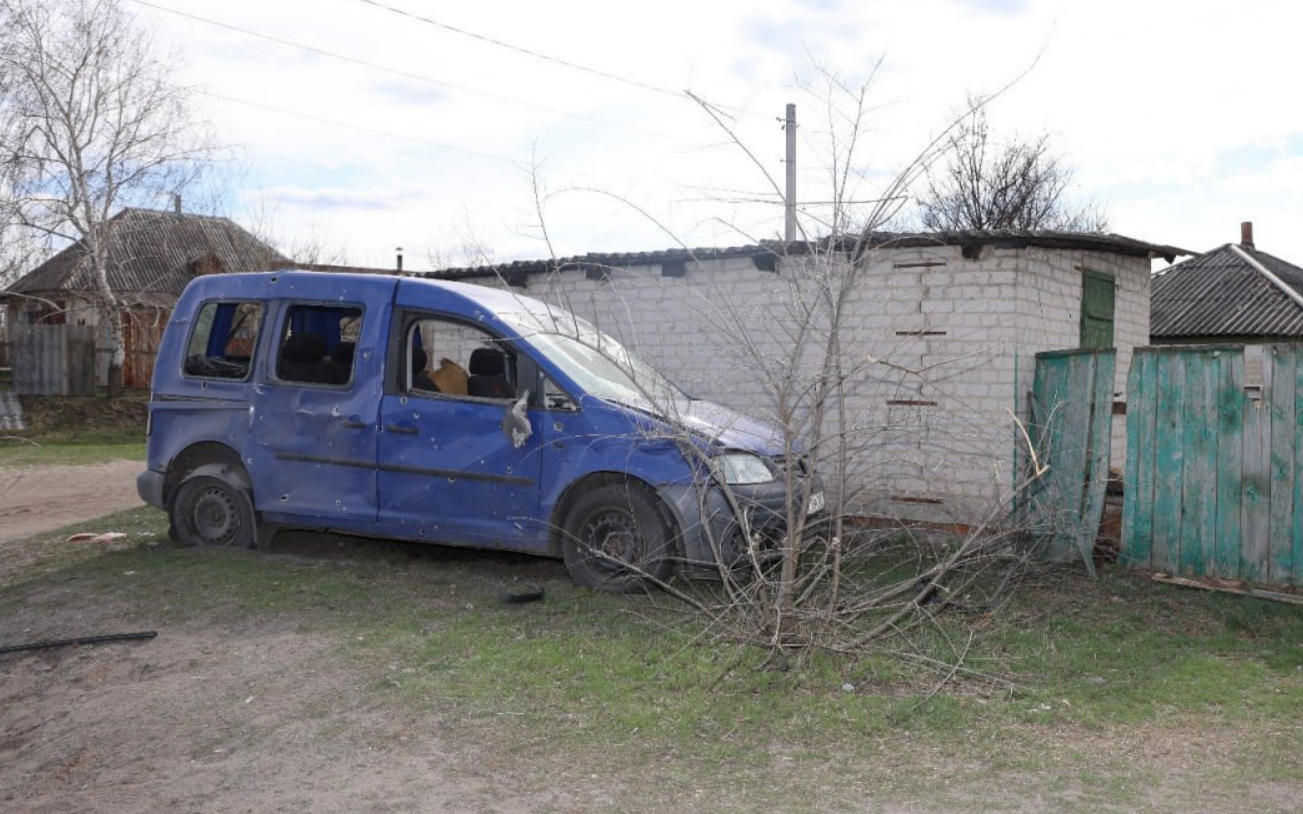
<point>722,424</point>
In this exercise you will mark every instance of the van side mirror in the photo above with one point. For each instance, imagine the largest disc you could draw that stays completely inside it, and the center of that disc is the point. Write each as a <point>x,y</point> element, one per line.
<point>515,424</point>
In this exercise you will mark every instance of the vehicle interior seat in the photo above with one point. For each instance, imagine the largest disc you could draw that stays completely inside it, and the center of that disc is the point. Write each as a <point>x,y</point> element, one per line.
<point>303,359</point>
<point>488,369</point>
<point>420,376</point>
<point>342,356</point>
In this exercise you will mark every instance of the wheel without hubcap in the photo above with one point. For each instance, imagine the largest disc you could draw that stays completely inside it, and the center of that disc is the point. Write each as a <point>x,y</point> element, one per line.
<point>616,538</point>
<point>209,511</point>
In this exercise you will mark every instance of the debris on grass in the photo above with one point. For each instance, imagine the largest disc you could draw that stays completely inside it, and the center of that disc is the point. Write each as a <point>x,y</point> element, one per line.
<point>1230,586</point>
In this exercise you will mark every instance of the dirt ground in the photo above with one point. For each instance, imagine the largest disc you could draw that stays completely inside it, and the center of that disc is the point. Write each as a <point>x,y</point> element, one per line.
<point>163,725</point>
<point>202,720</point>
<point>265,717</point>
<point>37,499</point>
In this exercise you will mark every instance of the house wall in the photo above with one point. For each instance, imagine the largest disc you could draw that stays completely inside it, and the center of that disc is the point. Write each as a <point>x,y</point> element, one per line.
<point>937,351</point>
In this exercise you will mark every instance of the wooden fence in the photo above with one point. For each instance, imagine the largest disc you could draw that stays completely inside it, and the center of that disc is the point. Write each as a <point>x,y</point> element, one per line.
<point>1070,426</point>
<point>53,360</point>
<point>1212,487</point>
<point>142,333</point>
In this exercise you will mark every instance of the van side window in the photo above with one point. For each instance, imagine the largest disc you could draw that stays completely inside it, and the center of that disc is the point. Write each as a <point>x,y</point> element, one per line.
<point>457,359</point>
<point>223,339</point>
<point>317,344</point>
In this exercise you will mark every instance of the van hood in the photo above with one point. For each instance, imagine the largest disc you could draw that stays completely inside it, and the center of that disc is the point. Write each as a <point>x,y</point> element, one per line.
<point>720,424</point>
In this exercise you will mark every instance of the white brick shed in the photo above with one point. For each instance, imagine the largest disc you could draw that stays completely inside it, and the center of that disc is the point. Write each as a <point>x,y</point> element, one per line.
<point>938,339</point>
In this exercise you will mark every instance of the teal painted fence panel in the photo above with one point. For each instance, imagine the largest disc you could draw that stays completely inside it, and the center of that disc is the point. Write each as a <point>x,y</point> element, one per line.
<point>1231,405</point>
<point>1199,465</point>
<point>1070,424</point>
<point>1212,484</point>
<point>1296,527</point>
<point>1279,559</point>
<point>1139,473</point>
<point>1169,449</point>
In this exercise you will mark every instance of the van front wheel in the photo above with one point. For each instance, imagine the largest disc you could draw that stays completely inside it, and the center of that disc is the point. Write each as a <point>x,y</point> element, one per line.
<point>211,511</point>
<point>616,538</point>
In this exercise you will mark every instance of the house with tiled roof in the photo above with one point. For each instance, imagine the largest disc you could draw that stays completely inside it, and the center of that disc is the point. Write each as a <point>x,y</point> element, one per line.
<point>152,256</point>
<point>1233,293</point>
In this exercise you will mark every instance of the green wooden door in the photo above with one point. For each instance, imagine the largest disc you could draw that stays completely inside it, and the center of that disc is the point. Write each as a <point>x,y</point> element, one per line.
<point>1097,295</point>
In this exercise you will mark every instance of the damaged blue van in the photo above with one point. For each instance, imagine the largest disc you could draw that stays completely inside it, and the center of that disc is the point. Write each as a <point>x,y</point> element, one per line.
<point>424,410</point>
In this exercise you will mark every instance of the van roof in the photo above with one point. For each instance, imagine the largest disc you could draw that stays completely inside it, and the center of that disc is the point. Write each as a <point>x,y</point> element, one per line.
<point>490,299</point>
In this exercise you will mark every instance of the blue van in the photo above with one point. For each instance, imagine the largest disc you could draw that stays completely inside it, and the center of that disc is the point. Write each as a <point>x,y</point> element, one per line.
<point>423,410</point>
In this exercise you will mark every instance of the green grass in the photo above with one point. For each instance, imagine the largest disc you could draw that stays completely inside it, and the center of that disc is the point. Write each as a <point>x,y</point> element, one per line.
<point>77,430</point>
<point>21,453</point>
<point>627,683</point>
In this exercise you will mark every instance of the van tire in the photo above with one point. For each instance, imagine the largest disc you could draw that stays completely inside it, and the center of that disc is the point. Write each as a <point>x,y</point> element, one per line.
<point>616,538</point>
<point>211,511</point>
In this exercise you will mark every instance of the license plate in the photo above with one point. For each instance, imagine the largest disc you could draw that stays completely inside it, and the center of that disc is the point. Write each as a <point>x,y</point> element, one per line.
<point>816,504</point>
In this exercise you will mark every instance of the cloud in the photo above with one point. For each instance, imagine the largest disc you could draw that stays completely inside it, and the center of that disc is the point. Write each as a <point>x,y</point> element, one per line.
<point>342,198</point>
<point>1182,121</point>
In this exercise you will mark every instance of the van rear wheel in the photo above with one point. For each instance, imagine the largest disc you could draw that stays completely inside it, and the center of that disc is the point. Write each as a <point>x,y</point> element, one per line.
<point>211,511</point>
<point>616,538</point>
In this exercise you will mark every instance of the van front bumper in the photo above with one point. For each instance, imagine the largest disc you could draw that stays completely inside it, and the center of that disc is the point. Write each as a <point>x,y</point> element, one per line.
<point>714,537</point>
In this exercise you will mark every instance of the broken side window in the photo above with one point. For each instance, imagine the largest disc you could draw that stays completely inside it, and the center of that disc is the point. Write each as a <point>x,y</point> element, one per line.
<point>318,344</point>
<point>455,358</point>
<point>223,340</point>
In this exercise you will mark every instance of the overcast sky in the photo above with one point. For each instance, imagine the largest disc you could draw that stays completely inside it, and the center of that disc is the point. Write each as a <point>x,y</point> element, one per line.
<point>365,125</point>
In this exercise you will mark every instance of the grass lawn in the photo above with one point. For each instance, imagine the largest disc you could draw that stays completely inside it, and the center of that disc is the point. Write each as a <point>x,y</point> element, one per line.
<point>68,430</point>
<point>1078,695</point>
<point>1113,694</point>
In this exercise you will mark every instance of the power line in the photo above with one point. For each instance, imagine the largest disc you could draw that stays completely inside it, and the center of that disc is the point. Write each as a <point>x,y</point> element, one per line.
<point>359,128</point>
<point>402,73</point>
<point>678,94</point>
<point>526,51</point>
<point>517,163</point>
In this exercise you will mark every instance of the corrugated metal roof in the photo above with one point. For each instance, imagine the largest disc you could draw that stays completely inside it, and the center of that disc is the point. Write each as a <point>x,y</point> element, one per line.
<point>152,255</point>
<point>1220,294</point>
<point>767,250</point>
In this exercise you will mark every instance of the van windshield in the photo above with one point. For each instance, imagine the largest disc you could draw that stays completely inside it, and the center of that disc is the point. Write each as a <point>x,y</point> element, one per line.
<point>596,362</point>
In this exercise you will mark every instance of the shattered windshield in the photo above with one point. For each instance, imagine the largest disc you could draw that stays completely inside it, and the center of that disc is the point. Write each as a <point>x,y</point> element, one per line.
<point>596,362</point>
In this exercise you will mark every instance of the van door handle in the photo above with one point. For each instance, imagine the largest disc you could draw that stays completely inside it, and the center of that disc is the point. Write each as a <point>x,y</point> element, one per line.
<point>401,429</point>
<point>354,423</point>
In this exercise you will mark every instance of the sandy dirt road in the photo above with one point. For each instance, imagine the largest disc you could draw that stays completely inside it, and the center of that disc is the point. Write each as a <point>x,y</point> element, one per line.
<point>36,499</point>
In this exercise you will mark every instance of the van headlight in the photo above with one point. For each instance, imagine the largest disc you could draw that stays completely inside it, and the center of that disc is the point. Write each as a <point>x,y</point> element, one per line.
<point>743,469</point>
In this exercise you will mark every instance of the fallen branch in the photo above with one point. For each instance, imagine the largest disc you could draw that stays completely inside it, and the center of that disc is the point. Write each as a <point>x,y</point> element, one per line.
<point>111,637</point>
<point>1229,588</point>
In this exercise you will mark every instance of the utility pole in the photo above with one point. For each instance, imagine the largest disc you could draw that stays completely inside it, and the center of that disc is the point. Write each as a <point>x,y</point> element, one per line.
<point>789,224</point>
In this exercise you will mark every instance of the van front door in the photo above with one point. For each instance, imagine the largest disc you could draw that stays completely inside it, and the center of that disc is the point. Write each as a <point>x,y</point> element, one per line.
<point>447,470</point>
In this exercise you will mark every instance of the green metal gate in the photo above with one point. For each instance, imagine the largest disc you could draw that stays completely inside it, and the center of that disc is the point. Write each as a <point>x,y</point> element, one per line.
<point>1070,429</point>
<point>1211,482</point>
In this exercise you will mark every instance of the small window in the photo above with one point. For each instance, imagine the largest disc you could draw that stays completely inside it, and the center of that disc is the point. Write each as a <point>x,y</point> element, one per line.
<point>318,344</point>
<point>554,398</point>
<point>46,313</point>
<point>456,359</point>
<point>223,340</point>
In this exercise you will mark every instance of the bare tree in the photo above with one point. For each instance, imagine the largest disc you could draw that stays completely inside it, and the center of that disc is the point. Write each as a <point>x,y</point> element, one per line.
<point>90,122</point>
<point>1016,184</point>
<point>791,579</point>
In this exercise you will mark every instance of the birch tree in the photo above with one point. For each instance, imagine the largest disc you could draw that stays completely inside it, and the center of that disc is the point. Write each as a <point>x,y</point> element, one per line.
<point>90,122</point>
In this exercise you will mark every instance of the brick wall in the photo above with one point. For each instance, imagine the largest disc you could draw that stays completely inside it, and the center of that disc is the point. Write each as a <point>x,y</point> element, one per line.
<point>1049,306</point>
<point>936,352</point>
